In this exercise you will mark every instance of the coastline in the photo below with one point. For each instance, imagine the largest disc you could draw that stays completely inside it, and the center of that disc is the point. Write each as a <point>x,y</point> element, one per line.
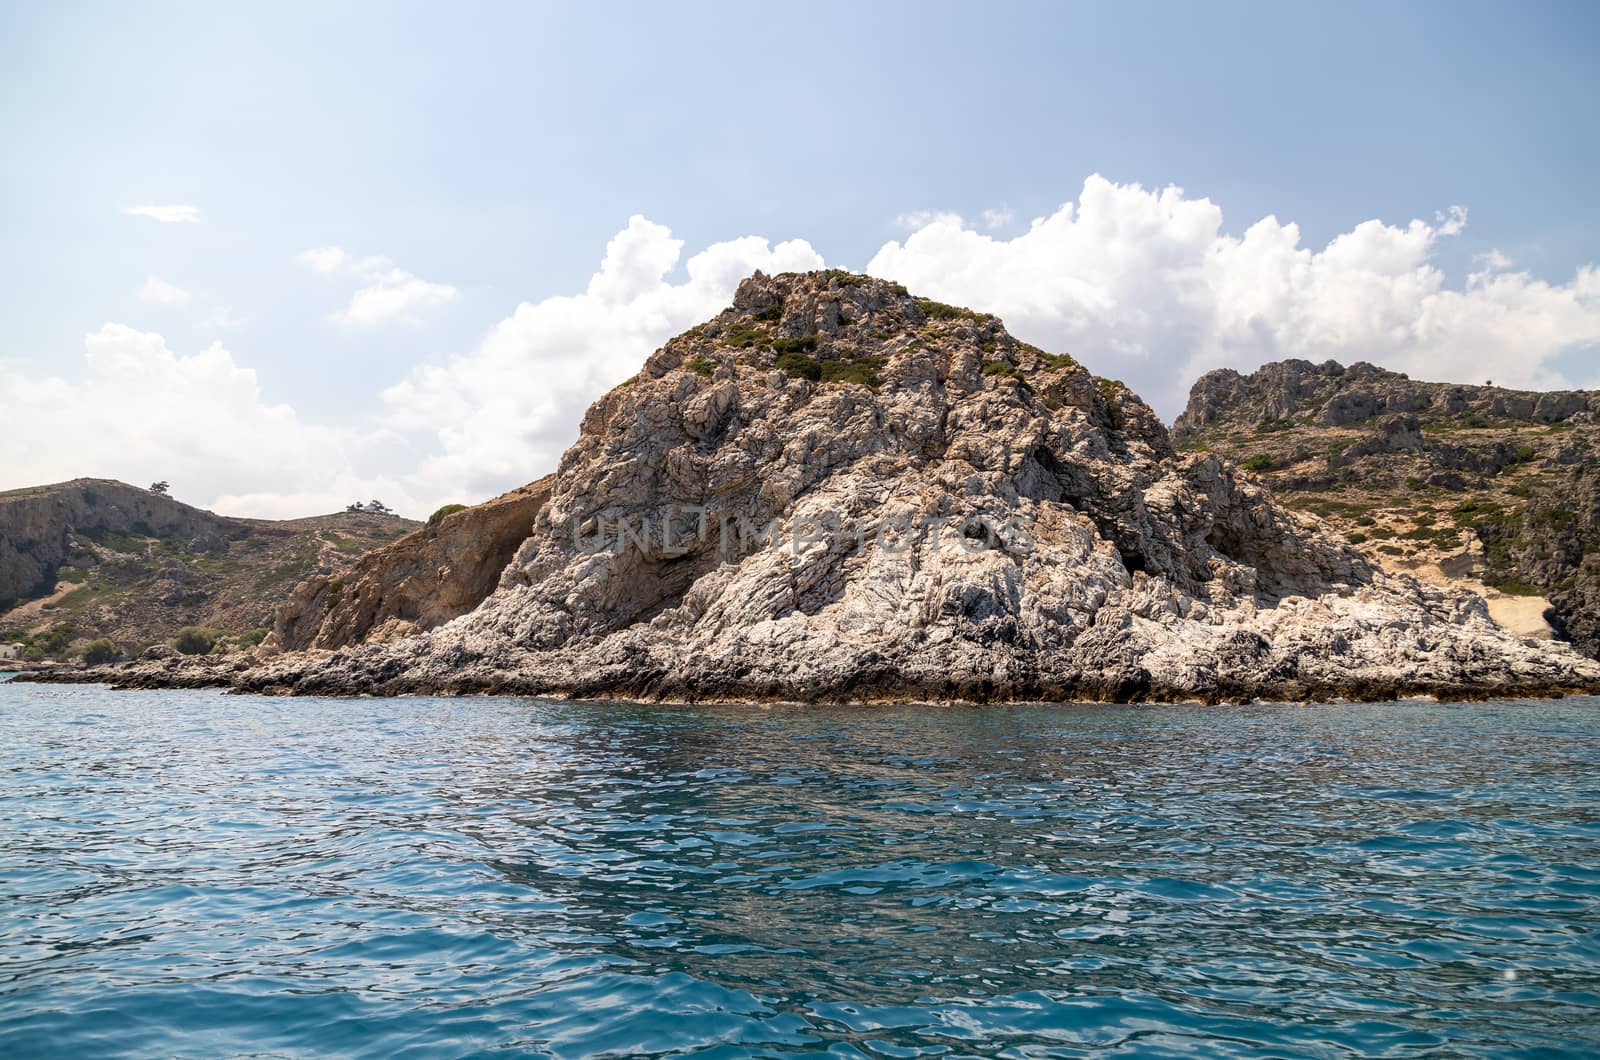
<point>241,677</point>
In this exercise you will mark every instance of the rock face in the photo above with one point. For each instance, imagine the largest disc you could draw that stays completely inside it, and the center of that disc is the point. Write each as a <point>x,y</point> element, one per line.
<point>96,557</point>
<point>37,527</point>
<point>1493,488</point>
<point>1554,543</point>
<point>416,583</point>
<point>835,490</point>
<point>1331,395</point>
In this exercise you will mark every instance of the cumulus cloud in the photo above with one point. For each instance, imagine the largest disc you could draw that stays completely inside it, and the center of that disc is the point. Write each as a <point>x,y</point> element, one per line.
<point>494,418</point>
<point>1145,285</point>
<point>141,412</point>
<point>173,214</point>
<point>157,291</point>
<point>389,295</point>
<point>1140,284</point>
<point>504,413</point>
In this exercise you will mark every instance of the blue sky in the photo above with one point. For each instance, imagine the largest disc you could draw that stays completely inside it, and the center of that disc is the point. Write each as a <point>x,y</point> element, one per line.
<point>489,153</point>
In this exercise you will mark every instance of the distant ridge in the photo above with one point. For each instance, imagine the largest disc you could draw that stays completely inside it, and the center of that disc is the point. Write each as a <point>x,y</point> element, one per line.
<point>100,558</point>
<point>1476,485</point>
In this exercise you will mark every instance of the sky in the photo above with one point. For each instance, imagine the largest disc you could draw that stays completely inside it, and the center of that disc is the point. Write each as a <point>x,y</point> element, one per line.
<point>288,256</point>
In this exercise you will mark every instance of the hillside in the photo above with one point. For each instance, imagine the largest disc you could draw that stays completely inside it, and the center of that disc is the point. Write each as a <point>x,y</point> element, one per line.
<point>836,490</point>
<point>98,558</point>
<point>1493,489</point>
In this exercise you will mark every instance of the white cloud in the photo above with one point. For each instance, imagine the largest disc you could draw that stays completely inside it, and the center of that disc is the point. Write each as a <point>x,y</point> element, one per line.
<point>174,214</point>
<point>1145,286</point>
<point>997,218</point>
<point>1140,284</point>
<point>390,294</point>
<point>142,412</point>
<point>157,291</point>
<point>504,413</point>
<point>326,260</point>
<point>923,218</point>
<point>1450,222</point>
<point>495,418</point>
<point>1492,261</point>
<point>395,295</point>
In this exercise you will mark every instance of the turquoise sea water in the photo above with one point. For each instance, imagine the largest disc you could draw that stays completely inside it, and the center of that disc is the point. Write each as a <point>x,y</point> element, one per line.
<point>192,874</point>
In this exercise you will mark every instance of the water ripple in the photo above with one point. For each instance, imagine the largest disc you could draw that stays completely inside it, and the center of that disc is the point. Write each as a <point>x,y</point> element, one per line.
<point>191,874</point>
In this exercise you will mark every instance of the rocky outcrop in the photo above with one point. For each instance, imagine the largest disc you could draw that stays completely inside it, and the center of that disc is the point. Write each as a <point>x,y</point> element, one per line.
<point>837,491</point>
<point>1554,543</point>
<point>423,580</point>
<point>37,527</point>
<point>99,558</point>
<point>1488,488</point>
<point>1332,395</point>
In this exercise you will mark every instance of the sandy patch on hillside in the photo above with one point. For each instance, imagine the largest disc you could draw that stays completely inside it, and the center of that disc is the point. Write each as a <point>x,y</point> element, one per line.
<point>1522,615</point>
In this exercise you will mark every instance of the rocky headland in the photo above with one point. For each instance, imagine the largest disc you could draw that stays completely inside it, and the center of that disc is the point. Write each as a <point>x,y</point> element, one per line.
<point>836,490</point>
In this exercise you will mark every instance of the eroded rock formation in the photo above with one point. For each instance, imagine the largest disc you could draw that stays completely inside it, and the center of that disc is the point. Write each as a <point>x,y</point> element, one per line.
<point>423,580</point>
<point>835,490</point>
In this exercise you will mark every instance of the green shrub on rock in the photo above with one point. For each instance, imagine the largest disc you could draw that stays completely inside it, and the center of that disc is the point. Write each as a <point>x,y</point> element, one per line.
<point>940,311</point>
<point>799,366</point>
<point>196,640</point>
<point>1111,391</point>
<point>1056,360</point>
<point>863,370</point>
<point>798,344</point>
<point>100,650</point>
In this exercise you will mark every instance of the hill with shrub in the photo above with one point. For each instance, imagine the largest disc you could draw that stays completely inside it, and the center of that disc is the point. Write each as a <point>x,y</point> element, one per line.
<point>94,566</point>
<point>1482,486</point>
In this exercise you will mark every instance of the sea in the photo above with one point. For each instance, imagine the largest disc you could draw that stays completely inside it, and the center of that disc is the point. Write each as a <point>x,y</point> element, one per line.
<point>194,874</point>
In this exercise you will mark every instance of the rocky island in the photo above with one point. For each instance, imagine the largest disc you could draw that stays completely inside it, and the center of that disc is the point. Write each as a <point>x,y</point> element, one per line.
<point>836,490</point>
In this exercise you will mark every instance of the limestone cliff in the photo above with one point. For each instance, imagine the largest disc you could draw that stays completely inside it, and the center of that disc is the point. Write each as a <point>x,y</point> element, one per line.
<point>836,490</point>
<point>421,581</point>
<point>37,527</point>
<point>1480,486</point>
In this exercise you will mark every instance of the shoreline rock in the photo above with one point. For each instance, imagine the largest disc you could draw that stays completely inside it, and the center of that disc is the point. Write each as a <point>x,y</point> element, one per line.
<point>232,677</point>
